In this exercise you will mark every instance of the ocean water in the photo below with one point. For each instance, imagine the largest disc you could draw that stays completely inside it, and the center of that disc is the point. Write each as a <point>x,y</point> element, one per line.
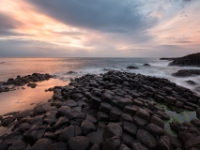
<point>11,67</point>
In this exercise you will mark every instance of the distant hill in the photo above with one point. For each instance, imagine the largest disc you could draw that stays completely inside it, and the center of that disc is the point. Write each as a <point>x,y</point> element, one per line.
<point>188,60</point>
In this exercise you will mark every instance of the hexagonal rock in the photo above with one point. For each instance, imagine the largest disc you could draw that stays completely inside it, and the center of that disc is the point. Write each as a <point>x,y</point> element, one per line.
<point>179,104</point>
<point>154,129</point>
<point>111,144</point>
<point>170,100</point>
<point>139,146</point>
<point>58,146</point>
<point>6,121</point>
<point>42,144</point>
<point>71,103</point>
<point>102,116</point>
<point>19,144</point>
<point>157,121</point>
<point>141,117</point>
<point>121,103</point>
<point>130,128</point>
<point>127,139</point>
<point>146,138</point>
<point>105,107</point>
<point>95,147</point>
<point>195,122</point>
<point>193,142</point>
<point>23,114</point>
<point>62,111</point>
<point>87,127</point>
<point>111,130</point>
<point>69,132</point>
<point>115,113</point>
<point>78,143</point>
<point>123,147</point>
<point>60,122</point>
<point>125,117</point>
<point>164,143</point>
<point>130,109</point>
<point>95,137</point>
<point>163,115</point>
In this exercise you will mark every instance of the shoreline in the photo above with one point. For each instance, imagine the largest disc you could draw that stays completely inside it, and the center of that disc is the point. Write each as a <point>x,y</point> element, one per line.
<point>116,106</point>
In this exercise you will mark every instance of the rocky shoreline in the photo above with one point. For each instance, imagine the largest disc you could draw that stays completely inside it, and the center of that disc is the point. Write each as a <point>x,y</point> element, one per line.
<point>112,111</point>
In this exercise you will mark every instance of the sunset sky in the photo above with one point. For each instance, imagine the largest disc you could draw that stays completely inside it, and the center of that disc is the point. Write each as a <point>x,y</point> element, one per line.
<point>99,28</point>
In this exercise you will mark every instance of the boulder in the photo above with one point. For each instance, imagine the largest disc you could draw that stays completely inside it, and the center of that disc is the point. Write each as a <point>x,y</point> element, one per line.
<point>130,128</point>
<point>42,144</point>
<point>78,143</point>
<point>87,127</point>
<point>112,130</point>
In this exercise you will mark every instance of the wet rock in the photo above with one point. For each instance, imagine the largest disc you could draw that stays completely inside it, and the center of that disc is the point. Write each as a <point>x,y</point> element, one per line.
<point>62,121</point>
<point>123,147</point>
<point>19,144</point>
<point>70,132</point>
<point>32,85</point>
<point>8,120</point>
<point>91,118</point>
<point>24,127</point>
<point>163,115</point>
<point>127,139</point>
<point>164,143</point>
<point>193,142</point>
<point>195,122</point>
<point>87,127</point>
<point>154,130</point>
<point>58,146</point>
<point>115,113</point>
<point>38,110</point>
<point>186,73</point>
<point>23,114</point>
<point>111,144</point>
<point>130,109</point>
<point>190,82</point>
<point>78,143</point>
<point>112,130</point>
<point>42,144</point>
<point>122,102</point>
<point>132,67</point>
<point>125,117</point>
<point>50,118</point>
<point>146,65</point>
<point>38,120</point>
<point>95,137</point>
<point>141,117</point>
<point>63,110</point>
<point>139,146</point>
<point>95,147</point>
<point>102,116</point>
<point>71,103</point>
<point>130,128</point>
<point>146,138</point>
<point>179,104</point>
<point>105,107</point>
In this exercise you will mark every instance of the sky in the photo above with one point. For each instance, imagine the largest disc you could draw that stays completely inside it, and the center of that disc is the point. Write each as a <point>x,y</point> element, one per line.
<point>99,28</point>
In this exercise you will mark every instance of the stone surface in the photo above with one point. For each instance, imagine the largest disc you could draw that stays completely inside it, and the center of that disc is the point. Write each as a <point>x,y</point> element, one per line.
<point>78,143</point>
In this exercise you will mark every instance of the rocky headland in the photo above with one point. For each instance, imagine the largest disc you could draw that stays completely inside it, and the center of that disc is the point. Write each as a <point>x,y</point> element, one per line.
<point>186,73</point>
<point>112,111</point>
<point>188,60</point>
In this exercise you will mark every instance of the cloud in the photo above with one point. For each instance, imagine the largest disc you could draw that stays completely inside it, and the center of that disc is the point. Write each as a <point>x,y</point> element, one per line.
<point>111,16</point>
<point>7,25</point>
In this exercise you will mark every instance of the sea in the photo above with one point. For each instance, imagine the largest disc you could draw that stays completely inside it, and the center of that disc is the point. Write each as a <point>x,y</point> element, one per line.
<point>68,68</point>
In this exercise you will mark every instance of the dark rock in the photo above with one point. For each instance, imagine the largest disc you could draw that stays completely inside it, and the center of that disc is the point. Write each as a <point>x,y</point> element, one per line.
<point>195,122</point>
<point>38,110</point>
<point>91,118</point>
<point>87,127</point>
<point>122,102</point>
<point>71,103</point>
<point>111,144</point>
<point>193,142</point>
<point>146,65</point>
<point>102,116</point>
<point>130,109</point>
<point>115,113</point>
<point>32,85</point>
<point>179,104</point>
<point>50,118</point>
<point>141,117</point>
<point>163,115</point>
<point>123,147</point>
<point>42,144</point>
<point>190,82</point>
<point>61,121</point>
<point>24,127</point>
<point>105,107</point>
<point>58,146</point>
<point>132,67</point>
<point>127,139</point>
<point>23,114</point>
<point>164,143</point>
<point>112,130</point>
<point>139,146</point>
<point>70,132</point>
<point>63,110</point>
<point>125,117</point>
<point>154,129</point>
<point>130,128</point>
<point>78,143</point>
<point>19,144</point>
<point>6,121</point>
<point>146,138</point>
<point>95,137</point>
<point>95,147</point>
